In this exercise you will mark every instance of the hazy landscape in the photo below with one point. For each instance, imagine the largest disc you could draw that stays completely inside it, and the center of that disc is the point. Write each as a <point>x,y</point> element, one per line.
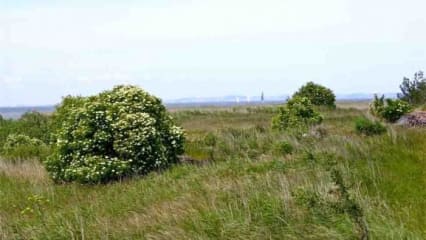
<point>238,179</point>
<point>213,119</point>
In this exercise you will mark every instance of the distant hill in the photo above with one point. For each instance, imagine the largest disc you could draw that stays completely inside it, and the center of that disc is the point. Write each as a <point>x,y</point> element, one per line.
<point>231,100</point>
<point>16,112</point>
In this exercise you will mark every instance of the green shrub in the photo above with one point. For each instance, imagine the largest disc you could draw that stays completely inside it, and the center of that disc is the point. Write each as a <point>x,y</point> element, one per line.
<point>377,106</point>
<point>118,133</point>
<point>395,109</point>
<point>367,127</point>
<point>297,113</point>
<point>414,91</point>
<point>31,124</point>
<point>389,109</point>
<point>35,125</point>
<point>284,148</point>
<point>317,94</point>
<point>67,105</point>
<point>18,146</point>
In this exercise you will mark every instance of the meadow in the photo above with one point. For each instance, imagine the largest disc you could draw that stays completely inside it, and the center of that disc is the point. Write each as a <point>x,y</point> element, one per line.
<point>239,179</point>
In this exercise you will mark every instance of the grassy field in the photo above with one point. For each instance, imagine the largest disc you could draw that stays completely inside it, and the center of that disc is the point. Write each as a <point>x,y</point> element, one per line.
<point>243,181</point>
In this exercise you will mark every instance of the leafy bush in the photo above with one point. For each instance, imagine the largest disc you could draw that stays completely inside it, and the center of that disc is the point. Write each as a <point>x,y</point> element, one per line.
<point>31,124</point>
<point>35,125</point>
<point>389,109</point>
<point>414,91</point>
<point>18,146</point>
<point>118,133</point>
<point>59,116</point>
<point>317,94</point>
<point>297,113</point>
<point>369,128</point>
<point>284,148</point>
<point>395,109</point>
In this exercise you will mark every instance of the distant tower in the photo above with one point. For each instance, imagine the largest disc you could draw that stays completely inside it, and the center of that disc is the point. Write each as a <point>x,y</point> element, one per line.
<point>262,96</point>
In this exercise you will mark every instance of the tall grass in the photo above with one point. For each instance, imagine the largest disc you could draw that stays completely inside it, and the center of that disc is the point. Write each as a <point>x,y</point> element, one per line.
<point>248,189</point>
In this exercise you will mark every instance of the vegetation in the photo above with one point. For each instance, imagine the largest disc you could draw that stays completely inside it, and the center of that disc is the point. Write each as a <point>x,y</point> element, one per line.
<point>239,178</point>
<point>31,124</point>
<point>391,110</point>
<point>25,138</point>
<point>414,91</point>
<point>20,147</point>
<point>117,133</point>
<point>317,94</point>
<point>342,185</point>
<point>368,127</point>
<point>297,114</point>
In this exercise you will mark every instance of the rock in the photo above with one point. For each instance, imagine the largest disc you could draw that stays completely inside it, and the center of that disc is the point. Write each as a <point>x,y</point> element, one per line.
<point>415,119</point>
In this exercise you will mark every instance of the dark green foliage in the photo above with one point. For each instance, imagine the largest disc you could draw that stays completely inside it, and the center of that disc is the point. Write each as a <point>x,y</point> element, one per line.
<point>317,94</point>
<point>389,109</point>
<point>32,124</point>
<point>118,133</point>
<point>369,128</point>
<point>284,148</point>
<point>35,125</point>
<point>23,147</point>
<point>395,109</point>
<point>414,91</point>
<point>59,116</point>
<point>298,113</point>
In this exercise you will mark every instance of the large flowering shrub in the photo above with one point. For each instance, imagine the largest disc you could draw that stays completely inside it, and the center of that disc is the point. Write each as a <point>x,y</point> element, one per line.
<point>118,133</point>
<point>298,113</point>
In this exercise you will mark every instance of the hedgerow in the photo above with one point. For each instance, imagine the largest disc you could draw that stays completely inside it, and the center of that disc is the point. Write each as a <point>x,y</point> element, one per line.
<point>118,133</point>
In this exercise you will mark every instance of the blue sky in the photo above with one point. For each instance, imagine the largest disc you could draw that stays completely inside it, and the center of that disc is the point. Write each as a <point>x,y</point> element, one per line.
<point>185,48</point>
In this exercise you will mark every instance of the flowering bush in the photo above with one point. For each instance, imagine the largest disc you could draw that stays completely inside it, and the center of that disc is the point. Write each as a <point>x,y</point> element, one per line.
<point>389,109</point>
<point>117,133</point>
<point>317,94</point>
<point>297,113</point>
<point>18,146</point>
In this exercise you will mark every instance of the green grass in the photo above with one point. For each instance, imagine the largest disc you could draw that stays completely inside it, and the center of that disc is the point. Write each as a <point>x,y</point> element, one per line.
<point>246,190</point>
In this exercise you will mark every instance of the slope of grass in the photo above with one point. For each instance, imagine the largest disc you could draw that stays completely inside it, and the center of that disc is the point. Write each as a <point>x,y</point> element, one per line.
<point>248,188</point>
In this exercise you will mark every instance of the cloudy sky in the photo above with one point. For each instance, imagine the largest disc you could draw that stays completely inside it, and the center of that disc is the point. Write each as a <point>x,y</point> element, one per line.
<point>183,48</point>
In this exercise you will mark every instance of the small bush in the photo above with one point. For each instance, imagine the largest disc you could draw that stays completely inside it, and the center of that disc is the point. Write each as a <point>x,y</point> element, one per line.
<point>35,125</point>
<point>367,127</point>
<point>395,109</point>
<point>284,148</point>
<point>317,94</point>
<point>297,113</point>
<point>389,109</point>
<point>118,133</point>
<point>18,146</point>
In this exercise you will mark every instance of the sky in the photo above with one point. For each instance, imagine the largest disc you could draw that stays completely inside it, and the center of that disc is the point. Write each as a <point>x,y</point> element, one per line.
<point>182,48</point>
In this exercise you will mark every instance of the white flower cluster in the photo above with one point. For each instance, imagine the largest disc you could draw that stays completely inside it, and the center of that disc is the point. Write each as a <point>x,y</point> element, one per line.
<point>117,133</point>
